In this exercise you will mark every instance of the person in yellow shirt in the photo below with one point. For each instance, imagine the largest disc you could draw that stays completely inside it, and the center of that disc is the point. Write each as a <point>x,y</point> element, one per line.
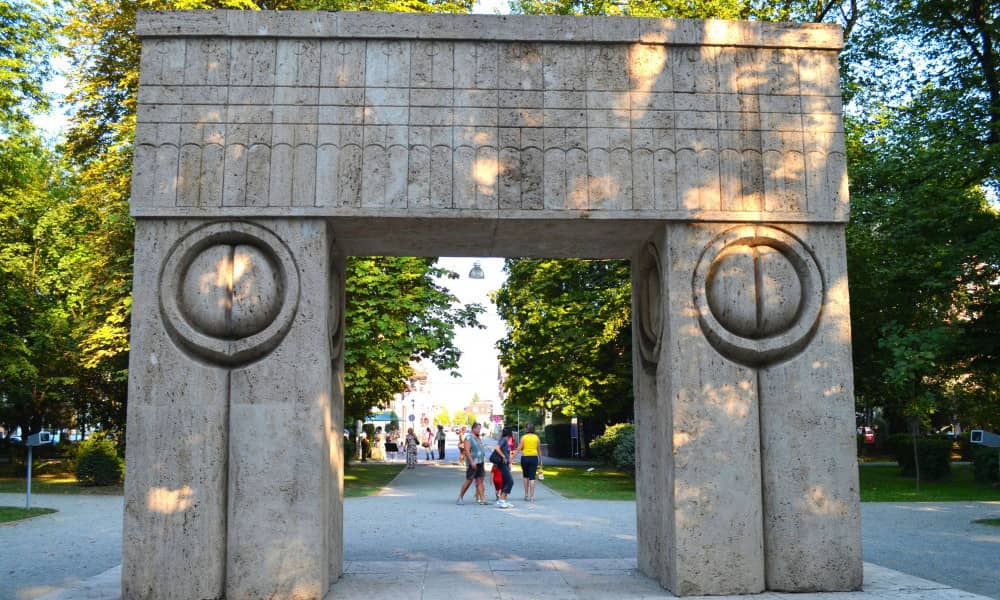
<point>531,460</point>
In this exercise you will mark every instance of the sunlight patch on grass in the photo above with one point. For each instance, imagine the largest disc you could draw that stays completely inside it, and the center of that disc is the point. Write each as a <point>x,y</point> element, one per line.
<point>13,513</point>
<point>603,483</point>
<point>368,479</point>
<point>883,483</point>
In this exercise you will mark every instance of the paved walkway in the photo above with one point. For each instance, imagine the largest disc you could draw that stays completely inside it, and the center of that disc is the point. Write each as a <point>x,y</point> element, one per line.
<point>58,550</point>
<point>414,536</point>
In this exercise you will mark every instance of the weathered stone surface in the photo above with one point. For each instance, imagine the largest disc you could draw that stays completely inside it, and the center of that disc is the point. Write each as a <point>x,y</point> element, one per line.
<point>750,124</point>
<point>270,145</point>
<point>178,439</point>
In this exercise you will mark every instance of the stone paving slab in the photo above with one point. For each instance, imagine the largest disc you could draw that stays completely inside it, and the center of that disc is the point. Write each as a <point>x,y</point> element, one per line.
<point>583,579</point>
<point>572,579</point>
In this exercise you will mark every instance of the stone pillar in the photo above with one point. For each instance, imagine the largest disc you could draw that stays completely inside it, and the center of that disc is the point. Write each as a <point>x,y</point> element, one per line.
<point>698,489</point>
<point>235,408</point>
<point>812,524</point>
<point>744,409</point>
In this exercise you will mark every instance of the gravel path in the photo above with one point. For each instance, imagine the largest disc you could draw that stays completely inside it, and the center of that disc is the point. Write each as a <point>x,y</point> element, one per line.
<point>416,519</point>
<point>61,549</point>
<point>936,541</point>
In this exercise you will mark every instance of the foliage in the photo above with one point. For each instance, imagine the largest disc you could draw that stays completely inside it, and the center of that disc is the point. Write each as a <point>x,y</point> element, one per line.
<point>350,450</point>
<point>98,463</point>
<point>924,240</point>
<point>624,454</point>
<point>93,278</point>
<point>37,370</point>
<point>933,453</point>
<point>26,28</point>
<point>884,483</point>
<point>759,10</point>
<point>397,314</point>
<point>603,446</point>
<point>568,346</point>
<point>986,464</point>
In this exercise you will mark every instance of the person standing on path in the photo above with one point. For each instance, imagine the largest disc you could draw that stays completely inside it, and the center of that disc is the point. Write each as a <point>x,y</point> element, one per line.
<point>474,454</point>
<point>531,460</point>
<point>502,456</point>
<point>411,445</point>
<point>461,444</point>
<point>439,438</point>
<point>428,441</point>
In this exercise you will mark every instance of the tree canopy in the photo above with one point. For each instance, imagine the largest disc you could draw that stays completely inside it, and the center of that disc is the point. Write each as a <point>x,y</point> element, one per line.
<point>569,337</point>
<point>921,81</point>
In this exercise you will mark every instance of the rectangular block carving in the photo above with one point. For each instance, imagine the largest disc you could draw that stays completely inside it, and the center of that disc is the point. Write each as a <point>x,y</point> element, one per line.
<point>745,124</point>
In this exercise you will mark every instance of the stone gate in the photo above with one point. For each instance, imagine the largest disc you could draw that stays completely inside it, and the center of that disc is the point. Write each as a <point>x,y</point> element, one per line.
<point>271,145</point>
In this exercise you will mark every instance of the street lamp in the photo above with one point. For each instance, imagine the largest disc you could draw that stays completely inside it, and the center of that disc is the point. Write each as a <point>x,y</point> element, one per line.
<point>477,271</point>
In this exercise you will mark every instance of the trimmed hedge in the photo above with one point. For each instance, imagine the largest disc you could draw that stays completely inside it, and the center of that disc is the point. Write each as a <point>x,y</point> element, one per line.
<point>934,454</point>
<point>98,463</point>
<point>616,446</point>
<point>985,463</point>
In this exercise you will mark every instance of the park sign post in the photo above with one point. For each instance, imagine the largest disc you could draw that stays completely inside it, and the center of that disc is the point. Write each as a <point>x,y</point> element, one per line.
<point>35,439</point>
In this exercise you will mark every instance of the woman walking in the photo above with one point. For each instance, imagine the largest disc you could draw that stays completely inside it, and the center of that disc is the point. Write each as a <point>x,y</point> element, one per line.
<point>475,456</point>
<point>411,444</point>
<point>531,460</point>
<point>502,456</point>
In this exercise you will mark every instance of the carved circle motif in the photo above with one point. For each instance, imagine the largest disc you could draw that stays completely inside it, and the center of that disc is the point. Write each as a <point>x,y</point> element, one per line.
<point>759,294</point>
<point>229,292</point>
<point>649,307</point>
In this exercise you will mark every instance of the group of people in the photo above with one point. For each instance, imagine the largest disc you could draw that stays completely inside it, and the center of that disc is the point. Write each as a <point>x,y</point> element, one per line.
<point>473,453</point>
<point>386,446</point>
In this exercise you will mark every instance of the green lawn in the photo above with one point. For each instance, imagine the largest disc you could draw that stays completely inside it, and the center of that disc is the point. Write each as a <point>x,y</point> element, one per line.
<point>13,513</point>
<point>55,483</point>
<point>882,483</point>
<point>367,479</point>
<point>603,483</point>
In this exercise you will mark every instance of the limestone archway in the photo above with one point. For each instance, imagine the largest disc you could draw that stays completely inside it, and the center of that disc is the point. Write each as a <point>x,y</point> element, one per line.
<point>271,145</point>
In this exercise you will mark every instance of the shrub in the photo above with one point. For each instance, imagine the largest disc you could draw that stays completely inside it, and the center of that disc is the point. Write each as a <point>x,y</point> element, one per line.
<point>965,448</point>
<point>350,449</point>
<point>98,463</point>
<point>986,464</point>
<point>603,446</point>
<point>934,454</point>
<point>624,454</point>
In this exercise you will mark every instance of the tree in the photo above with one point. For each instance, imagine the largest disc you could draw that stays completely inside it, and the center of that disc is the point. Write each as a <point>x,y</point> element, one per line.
<point>924,240</point>
<point>26,28</point>
<point>568,346</point>
<point>845,12</point>
<point>397,313</point>
<point>36,370</point>
<point>104,53</point>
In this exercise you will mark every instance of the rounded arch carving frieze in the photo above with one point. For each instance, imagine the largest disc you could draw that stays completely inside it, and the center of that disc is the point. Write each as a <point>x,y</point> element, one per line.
<point>649,306</point>
<point>229,292</point>
<point>759,294</point>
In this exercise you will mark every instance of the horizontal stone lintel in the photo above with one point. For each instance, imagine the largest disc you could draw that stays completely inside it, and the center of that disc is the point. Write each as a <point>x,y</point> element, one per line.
<point>498,28</point>
<point>479,214</point>
<point>540,234</point>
